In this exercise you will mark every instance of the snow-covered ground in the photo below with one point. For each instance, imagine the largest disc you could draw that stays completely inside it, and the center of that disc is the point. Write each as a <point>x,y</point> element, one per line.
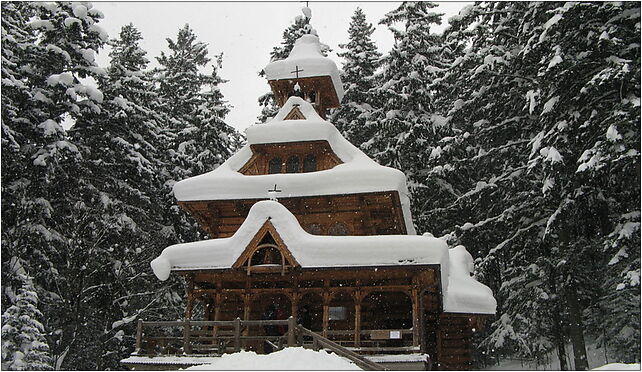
<point>597,360</point>
<point>292,358</point>
<point>619,367</point>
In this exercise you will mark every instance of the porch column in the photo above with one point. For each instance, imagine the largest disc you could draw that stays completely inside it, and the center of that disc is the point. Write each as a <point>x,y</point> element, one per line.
<point>415,317</point>
<point>358,297</point>
<point>295,305</point>
<point>326,313</point>
<point>190,297</point>
<point>217,311</point>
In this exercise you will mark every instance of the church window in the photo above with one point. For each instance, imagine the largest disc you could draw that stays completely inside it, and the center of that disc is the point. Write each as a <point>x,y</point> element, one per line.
<point>310,163</point>
<point>275,166</point>
<point>292,164</point>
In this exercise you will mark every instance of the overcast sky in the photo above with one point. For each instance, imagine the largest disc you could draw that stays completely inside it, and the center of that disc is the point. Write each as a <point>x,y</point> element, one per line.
<point>245,32</point>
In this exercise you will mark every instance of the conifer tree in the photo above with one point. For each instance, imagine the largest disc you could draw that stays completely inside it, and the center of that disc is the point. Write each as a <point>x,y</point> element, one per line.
<point>24,346</point>
<point>361,61</point>
<point>404,125</point>
<point>199,139</point>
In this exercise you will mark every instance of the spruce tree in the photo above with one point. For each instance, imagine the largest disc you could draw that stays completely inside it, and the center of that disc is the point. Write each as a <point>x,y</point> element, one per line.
<point>199,139</point>
<point>24,346</point>
<point>361,61</point>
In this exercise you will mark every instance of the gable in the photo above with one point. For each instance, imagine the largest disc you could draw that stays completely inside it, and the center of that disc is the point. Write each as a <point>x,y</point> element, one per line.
<point>295,114</point>
<point>266,252</point>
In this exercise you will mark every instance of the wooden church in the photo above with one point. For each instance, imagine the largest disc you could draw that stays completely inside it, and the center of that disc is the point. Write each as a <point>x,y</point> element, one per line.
<point>305,224</point>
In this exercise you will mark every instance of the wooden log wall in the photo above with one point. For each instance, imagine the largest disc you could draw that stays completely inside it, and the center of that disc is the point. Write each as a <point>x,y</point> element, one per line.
<point>455,336</point>
<point>259,163</point>
<point>377,213</point>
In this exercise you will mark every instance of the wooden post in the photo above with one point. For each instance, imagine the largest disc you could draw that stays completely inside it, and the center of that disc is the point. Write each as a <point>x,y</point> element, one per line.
<point>217,312</point>
<point>291,335</point>
<point>139,335</point>
<point>315,344</point>
<point>422,322</point>
<point>415,318</point>
<point>357,324</point>
<point>187,345</point>
<point>237,334</point>
<point>326,313</point>
<point>190,297</point>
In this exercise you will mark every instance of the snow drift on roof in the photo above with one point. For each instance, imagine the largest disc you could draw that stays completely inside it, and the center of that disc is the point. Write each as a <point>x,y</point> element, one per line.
<point>306,55</point>
<point>465,294</point>
<point>461,293</point>
<point>357,174</point>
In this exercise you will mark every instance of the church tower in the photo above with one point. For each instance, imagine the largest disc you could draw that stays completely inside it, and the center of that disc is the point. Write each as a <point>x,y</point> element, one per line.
<point>306,73</point>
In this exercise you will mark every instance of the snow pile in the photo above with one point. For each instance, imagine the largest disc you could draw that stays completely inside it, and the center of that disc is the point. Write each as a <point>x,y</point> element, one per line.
<point>357,174</point>
<point>464,294</point>
<point>618,367</point>
<point>291,358</point>
<point>306,55</point>
<point>308,250</point>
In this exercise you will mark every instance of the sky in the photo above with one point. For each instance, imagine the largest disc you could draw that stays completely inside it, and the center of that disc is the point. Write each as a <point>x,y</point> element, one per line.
<point>245,32</point>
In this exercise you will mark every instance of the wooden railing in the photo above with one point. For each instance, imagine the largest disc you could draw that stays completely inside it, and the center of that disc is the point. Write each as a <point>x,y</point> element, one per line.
<point>188,337</point>
<point>191,336</point>
<point>319,341</point>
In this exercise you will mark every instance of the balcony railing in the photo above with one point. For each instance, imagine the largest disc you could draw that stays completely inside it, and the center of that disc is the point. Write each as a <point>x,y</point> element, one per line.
<point>220,337</point>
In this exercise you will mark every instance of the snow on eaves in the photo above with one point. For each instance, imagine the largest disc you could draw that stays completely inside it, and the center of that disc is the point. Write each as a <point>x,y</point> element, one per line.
<point>357,174</point>
<point>309,251</point>
<point>462,293</point>
<point>306,55</point>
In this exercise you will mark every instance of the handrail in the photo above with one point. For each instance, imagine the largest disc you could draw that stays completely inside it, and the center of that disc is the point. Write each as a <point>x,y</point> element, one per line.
<point>318,340</point>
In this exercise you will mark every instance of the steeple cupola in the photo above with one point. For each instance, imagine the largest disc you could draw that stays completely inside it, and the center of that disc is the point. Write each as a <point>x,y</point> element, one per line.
<point>308,74</point>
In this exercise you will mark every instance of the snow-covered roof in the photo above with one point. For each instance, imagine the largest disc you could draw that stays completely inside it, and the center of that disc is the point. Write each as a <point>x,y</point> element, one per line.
<point>357,174</point>
<point>306,55</point>
<point>461,292</point>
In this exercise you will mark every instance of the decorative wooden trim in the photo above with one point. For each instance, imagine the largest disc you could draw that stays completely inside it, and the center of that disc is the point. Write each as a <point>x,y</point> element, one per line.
<point>267,228</point>
<point>295,114</point>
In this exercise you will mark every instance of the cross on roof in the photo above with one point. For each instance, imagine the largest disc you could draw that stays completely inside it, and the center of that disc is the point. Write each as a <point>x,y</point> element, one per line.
<point>296,71</point>
<point>272,193</point>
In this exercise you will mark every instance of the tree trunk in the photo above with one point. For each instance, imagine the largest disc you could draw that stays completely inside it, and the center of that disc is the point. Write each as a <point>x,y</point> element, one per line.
<point>576,328</point>
<point>559,339</point>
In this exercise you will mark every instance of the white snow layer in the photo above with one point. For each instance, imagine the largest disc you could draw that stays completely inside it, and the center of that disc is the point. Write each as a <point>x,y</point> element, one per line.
<point>306,56</point>
<point>462,294</point>
<point>618,367</point>
<point>288,359</point>
<point>357,174</point>
<point>465,294</point>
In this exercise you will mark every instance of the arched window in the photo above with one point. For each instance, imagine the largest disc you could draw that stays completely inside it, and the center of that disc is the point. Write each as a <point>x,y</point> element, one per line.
<point>338,229</point>
<point>292,164</point>
<point>275,166</point>
<point>310,163</point>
